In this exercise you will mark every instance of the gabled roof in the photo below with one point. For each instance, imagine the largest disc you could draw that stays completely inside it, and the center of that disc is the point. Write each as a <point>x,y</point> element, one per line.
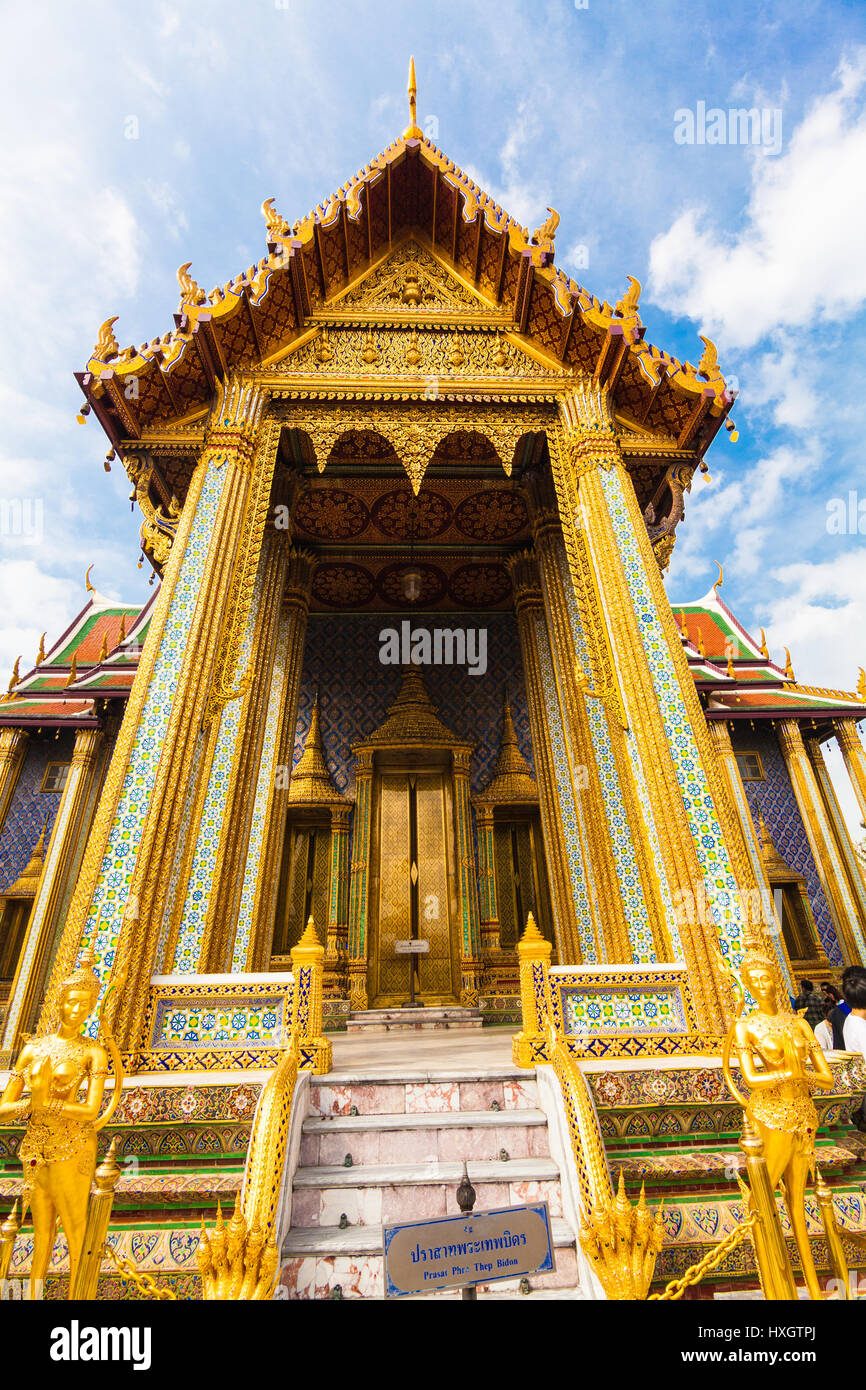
<point>411,189</point>
<point>737,677</point>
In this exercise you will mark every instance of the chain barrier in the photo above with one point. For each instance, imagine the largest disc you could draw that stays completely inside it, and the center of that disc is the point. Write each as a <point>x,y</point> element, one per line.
<point>145,1283</point>
<point>695,1273</point>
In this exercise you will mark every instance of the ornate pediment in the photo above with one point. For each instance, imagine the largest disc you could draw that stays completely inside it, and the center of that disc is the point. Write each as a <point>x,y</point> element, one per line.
<point>412,281</point>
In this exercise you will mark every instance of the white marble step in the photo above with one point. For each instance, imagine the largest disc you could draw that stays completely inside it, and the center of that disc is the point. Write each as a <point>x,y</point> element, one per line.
<point>425,1119</point>
<point>427,1174</point>
<point>367,1240</point>
<point>403,1076</point>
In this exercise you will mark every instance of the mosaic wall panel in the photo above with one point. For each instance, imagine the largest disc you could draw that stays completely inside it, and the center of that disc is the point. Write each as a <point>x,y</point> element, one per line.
<point>188,950</point>
<point>109,898</point>
<point>639,930</point>
<point>774,798</point>
<point>341,661</point>
<point>218,1014</point>
<point>706,831</point>
<point>267,777</point>
<point>30,808</point>
<point>570,808</point>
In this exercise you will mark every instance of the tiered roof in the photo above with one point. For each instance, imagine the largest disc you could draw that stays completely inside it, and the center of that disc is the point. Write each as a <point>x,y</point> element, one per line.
<point>95,659</point>
<point>737,678</point>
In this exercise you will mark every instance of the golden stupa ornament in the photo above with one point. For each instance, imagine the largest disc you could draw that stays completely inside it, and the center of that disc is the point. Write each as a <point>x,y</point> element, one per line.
<point>324,352</point>
<point>413,351</point>
<point>58,1151</point>
<point>369,352</point>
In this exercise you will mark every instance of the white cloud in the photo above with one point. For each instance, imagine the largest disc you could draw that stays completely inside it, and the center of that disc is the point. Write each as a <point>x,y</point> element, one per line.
<point>800,252</point>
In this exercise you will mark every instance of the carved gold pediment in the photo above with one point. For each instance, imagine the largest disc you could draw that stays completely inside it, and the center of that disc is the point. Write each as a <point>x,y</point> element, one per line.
<point>411,280</point>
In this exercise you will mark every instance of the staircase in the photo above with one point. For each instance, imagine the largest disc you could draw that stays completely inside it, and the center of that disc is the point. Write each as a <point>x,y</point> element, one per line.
<point>376,1152</point>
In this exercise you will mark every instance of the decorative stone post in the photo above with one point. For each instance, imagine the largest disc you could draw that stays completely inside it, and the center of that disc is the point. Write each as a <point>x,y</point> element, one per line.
<point>308,968</point>
<point>529,1045</point>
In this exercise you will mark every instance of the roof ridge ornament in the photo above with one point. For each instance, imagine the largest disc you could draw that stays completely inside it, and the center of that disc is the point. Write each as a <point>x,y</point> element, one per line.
<point>413,130</point>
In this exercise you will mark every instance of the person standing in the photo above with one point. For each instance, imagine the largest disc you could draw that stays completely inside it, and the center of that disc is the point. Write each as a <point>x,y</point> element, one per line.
<point>812,1000</point>
<point>855,1028</point>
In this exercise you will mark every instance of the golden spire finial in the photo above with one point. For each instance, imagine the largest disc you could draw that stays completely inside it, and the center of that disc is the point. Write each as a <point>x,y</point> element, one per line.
<point>412,131</point>
<point>40,655</point>
<point>531,933</point>
<point>14,681</point>
<point>122,635</point>
<point>764,651</point>
<point>789,670</point>
<point>721,579</point>
<point>103,650</point>
<point>73,670</point>
<point>729,669</point>
<point>701,648</point>
<point>683,628</point>
<point>88,587</point>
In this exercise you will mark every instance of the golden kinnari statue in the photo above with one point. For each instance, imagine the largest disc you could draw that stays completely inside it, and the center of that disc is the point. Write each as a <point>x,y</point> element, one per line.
<point>782,1064</point>
<point>58,1151</point>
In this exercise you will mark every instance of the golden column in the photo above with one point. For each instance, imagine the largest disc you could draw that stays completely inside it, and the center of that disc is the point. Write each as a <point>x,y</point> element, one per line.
<point>359,886</point>
<point>825,851</point>
<point>489,910</point>
<point>596,494</point>
<point>529,608</point>
<point>470,948</point>
<point>338,904</point>
<point>761,910</point>
<point>13,747</point>
<point>203,603</point>
<point>848,739</point>
<point>844,843</point>
<point>288,668</point>
<point>221,921</point>
<point>66,832</point>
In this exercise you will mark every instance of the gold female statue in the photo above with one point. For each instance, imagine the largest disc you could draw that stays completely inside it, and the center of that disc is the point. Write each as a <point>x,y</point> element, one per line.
<point>782,1064</point>
<point>58,1151</point>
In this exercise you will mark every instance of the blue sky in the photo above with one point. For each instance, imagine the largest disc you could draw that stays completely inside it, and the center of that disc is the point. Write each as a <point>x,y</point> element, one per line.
<point>542,104</point>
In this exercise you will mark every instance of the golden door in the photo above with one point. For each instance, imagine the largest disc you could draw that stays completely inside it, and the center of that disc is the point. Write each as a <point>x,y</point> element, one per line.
<point>412,888</point>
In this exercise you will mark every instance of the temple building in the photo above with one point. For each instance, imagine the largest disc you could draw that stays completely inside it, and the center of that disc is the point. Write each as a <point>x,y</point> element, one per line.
<point>410,673</point>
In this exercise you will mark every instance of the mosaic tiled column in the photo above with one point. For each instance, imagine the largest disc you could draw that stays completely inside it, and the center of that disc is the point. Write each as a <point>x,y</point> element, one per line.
<point>489,910</point>
<point>660,705</point>
<point>189,659</point>
<point>13,746</point>
<point>470,944</point>
<point>848,738</point>
<point>563,854</point>
<point>359,888</point>
<point>262,871</point>
<point>65,833</point>
<point>338,903</point>
<point>595,740</point>
<point>234,837</point>
<point>721,741</point>
<point>853,877</point>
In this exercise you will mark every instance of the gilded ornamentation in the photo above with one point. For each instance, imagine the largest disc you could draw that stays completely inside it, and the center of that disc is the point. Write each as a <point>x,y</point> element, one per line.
<point>277,227</point>
<point>400,351</point>
<point>623,1243</point>
<point>107,346</point>
<point>190,292</point>
<point>236,1261</point>
<point>58,1151</point>
<point>782,1064</point>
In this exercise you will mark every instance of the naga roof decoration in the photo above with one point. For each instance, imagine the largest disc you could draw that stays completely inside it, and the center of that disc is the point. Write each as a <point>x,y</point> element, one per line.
<point>367,252</point>
<point>736,676</point>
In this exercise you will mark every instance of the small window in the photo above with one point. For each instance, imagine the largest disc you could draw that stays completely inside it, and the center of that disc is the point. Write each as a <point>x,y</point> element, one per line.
<point>751,768</point>
<point>55,777</point>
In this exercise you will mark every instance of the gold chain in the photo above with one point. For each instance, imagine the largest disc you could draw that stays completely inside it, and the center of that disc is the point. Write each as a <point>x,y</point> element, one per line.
<point>695,1273</point>
<point>145,1283</point>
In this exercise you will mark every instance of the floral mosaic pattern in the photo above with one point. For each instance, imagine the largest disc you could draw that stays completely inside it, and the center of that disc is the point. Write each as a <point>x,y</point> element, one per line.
<point>218,1015</point>
<point>622,1011</point>
<point>707,834</point>
<point>189,942</point>
<point>112,889</point>
<point>640,933</point>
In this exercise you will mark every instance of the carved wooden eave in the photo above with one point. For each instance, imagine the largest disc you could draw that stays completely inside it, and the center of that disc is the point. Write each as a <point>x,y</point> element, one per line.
<point>308,276</point>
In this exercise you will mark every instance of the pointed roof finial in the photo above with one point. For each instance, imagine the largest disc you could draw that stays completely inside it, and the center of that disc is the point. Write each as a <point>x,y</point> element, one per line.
<point>412,131</point>
<point>721,579</point>
<point>40,655</point>
<point>88,587</point>
<point>861,684</point>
